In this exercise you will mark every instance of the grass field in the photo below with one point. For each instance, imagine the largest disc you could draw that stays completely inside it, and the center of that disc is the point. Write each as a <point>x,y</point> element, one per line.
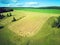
<point>33,29</point>
<point>55,11</point>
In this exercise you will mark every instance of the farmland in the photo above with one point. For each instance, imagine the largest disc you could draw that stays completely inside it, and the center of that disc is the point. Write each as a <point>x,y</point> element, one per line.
<point>34,28</point>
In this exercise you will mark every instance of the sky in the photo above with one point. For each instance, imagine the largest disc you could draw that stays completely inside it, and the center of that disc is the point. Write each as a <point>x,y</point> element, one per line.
<point>29,3</point>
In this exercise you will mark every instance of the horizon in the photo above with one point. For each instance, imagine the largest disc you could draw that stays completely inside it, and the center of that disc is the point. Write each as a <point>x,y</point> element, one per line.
<point>29,3</point>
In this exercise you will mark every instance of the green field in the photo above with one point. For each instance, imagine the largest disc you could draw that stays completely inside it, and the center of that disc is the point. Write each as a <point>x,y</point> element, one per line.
<point>34,28</point>
<point>55,11</point>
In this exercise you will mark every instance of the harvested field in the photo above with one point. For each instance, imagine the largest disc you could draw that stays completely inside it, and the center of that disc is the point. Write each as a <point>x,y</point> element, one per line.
<point>31,24</point>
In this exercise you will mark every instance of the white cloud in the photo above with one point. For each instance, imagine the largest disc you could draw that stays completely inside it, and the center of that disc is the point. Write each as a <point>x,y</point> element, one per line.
<point>14,1</point>
<point>31,3</point>
<point>14,5</point>
<point>25,4</point>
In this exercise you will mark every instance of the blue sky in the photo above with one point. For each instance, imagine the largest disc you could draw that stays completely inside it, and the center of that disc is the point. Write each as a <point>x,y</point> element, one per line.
<point>29,3</point>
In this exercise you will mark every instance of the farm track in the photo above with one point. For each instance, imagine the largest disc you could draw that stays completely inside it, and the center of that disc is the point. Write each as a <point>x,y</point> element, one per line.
<point>31,24</point>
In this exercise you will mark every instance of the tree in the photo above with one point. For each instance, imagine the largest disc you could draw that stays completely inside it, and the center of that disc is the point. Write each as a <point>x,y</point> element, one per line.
<point>1,27</point>
<point>7,15</point>
<point>10,14</point>
<point>1,16</point>
<point>56,23</point>
<point>58,19</point>
<point>14,19</point>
